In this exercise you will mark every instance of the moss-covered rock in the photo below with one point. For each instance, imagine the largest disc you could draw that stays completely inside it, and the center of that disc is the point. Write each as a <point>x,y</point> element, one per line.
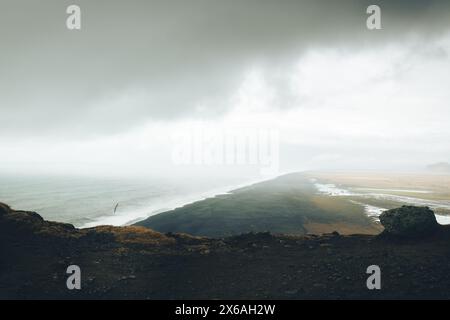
<point>409,221</point>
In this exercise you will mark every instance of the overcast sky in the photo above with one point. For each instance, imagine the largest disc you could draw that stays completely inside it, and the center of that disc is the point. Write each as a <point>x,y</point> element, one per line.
<point>112,96</point>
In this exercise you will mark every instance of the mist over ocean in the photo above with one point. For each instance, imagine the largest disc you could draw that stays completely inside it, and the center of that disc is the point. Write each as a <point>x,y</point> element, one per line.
<point>87,202</point>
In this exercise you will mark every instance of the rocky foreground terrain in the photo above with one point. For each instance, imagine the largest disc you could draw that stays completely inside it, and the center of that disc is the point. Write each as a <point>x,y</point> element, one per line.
<point>138,263</point>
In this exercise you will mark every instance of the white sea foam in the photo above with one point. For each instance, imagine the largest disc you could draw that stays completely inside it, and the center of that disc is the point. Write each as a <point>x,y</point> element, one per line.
<point>374,211</point>
<point>88,202</point>
<point>129,217</point>
<point>332,190</point>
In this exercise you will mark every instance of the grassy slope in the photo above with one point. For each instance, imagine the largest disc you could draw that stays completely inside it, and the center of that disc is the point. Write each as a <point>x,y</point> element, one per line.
<point>288,204</point>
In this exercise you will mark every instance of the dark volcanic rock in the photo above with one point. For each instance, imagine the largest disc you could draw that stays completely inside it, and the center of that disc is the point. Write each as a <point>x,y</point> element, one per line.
<point>138,263</point>
<point>409,221</point>
<point>4,209</point>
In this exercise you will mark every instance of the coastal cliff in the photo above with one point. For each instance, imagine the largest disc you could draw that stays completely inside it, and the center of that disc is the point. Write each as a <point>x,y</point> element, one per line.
<point>138,263</point>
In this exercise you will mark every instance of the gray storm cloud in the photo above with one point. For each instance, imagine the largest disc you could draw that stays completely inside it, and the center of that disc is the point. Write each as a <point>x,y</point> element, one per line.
<point>135,61</point>
<point>109,98</point>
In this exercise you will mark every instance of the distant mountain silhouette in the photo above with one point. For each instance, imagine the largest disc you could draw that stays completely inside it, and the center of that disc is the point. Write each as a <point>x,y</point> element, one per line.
<point>439,167</point>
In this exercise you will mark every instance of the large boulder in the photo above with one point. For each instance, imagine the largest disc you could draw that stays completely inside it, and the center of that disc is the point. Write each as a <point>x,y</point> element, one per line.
<point>4,209</point>
<point>409,221</point>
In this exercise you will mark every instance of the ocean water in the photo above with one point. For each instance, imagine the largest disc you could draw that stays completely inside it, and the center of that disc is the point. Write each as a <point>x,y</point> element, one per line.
<point>87,202</point>
<point>383,194</point>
